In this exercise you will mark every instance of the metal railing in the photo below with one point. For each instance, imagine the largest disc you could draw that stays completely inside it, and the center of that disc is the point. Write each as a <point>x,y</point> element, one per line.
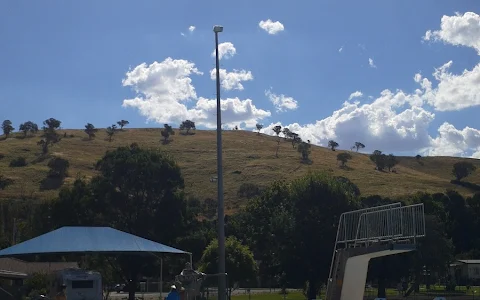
<point>348,224</point>
<point>396,223</point>
<point>383,223</point>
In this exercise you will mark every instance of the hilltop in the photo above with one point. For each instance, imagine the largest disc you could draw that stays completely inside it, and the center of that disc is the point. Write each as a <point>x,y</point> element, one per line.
<point>248,158</point>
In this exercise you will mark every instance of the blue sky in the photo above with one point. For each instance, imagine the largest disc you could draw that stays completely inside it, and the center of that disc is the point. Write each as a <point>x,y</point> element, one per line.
<point>67,59</point>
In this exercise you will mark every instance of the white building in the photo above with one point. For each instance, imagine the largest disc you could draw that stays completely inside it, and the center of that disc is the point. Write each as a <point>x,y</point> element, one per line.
<point>466,271</point>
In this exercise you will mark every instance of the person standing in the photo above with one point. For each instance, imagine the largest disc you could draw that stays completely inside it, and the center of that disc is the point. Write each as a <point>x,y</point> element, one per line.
<point>173,295</point>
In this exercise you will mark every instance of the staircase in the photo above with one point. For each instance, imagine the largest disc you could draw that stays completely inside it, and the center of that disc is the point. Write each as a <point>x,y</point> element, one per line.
<point>368,233</point>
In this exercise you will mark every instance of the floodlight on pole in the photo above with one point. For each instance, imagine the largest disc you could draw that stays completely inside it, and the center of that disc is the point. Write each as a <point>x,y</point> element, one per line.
<point>222,283</point>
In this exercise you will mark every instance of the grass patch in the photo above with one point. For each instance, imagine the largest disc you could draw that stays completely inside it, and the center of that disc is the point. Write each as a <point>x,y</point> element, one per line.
<point>247,158</point>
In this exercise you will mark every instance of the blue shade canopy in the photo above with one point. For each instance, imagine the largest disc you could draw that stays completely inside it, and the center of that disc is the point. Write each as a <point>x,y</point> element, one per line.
<point>87,239</point>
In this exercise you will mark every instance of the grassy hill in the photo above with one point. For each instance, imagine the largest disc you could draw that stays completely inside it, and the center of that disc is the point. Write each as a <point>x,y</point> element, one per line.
<point>248,158</point>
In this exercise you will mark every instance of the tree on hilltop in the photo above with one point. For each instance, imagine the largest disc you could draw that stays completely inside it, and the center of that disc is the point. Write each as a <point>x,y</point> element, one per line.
<point>7,128</point>
<point>286,133</point>
<point>343,158</point>
<point>90,130</point>
<point>462,169</point>
<point>390,161</point>
<point>122,123</point>
<point>304,149</point>
<point>28,127</point>
<point>332,145</point>
<point>277,129</point>
<point>359,145</point>
<point>187,125</point>
<point>50,135</point>
<point>259,127</point>
<point>166,132</point>
<point>111,130</point>
<point>379,159</point>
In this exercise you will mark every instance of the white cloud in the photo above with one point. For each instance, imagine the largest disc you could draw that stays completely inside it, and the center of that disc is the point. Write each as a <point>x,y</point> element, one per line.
<point>458,30</point>
<point>356,94</point>
<point>340,50</point>
<point>281,102</point>
<point>271,27</point>
<point>456,92</point>
<point>232,80</point>
<point>164,89</point>
<point>225,50</point>
<point>371,63</point>
<point>395,122</point>
<point>191,28</point>
<point>454,142</point>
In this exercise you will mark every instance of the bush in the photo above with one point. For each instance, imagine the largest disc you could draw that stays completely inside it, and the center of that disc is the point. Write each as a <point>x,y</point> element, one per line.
<point>58,167</point>
<point>18,162</point>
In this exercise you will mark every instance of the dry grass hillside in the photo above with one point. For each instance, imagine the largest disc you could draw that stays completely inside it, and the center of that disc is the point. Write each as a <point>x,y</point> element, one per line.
<point>248,158</point>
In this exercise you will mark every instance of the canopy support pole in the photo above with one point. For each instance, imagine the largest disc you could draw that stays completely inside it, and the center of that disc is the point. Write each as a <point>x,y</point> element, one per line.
<point>161,278</point>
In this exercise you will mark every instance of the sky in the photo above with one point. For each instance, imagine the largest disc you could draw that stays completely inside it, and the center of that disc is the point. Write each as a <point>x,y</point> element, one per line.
<point>399,76</point>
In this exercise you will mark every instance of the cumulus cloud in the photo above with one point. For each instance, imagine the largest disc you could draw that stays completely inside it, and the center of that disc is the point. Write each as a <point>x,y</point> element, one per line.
<point>394,122</point>
<point>381,124</point>
<point>455,92</point>
<point>281,102</point>
<point>371,63</point>
<point>458,30</point>
<point>356,94</point>
<point>165,88</point>
<point>225,50</point>
<point>232,80</point>
<point>454,142</point>
<point>271,27</point>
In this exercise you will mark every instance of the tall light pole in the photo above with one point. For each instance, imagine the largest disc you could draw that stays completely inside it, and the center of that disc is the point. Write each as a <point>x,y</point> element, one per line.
<point>222,283</point>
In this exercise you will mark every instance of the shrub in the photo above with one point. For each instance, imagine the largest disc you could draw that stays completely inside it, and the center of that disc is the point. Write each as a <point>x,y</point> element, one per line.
<point>58,167</point>
<point>18,162</point>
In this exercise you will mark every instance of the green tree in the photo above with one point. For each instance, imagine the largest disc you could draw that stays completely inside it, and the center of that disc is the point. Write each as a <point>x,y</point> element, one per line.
<point>28,127</point>
<point>90,130</point>
<point>259,127</point>
<point>462,169</point>
<point>332,145</point>
<point>343,158</point>
<point>166,132</point>
<point>7,128</point>
<point>277,129</point>
<point>111,130</point>
<point>50,135</point>
<point>122,123</point>
<point>390,161</point>
<point>138,191</point>
<point>304,149</point>
<point>187,125</point>
<point>286,133</point>
<point>379,159</point>
<point>359,145</point>
<point>239,262</point>
<point>292,227</point>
